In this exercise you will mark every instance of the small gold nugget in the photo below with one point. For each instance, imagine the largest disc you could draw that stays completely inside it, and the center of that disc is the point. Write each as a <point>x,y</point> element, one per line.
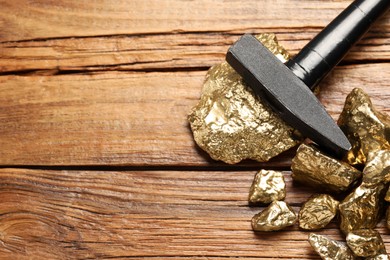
<point>367,129</point>
<point>379,257</point>
<point>231,123</point>
<point>276,216</point>
<point>312,167</point>
<point>365,243</point>
<point>329,249</point>
<point>377,169</point>
<point>361,208</point>
<point>317,212</point>
<point>267,186</point>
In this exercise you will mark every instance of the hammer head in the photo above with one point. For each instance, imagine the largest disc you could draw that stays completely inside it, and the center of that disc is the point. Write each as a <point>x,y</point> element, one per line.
<point>286,94</point>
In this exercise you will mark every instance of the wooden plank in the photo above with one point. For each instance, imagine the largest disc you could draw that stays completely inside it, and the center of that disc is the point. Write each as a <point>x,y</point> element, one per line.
<point>160,51</point>
<point>105,119</point>
<point>64,102</point>
<point>105,214</point>
<point>130,118</point>
<point>53,19</point>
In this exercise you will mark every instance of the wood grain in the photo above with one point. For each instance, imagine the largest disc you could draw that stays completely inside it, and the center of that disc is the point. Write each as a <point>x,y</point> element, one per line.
<point>100,85</point>
<point>128,118</point>
<point>53,19</point>
<point>105,214</point>
<point>160,51</point>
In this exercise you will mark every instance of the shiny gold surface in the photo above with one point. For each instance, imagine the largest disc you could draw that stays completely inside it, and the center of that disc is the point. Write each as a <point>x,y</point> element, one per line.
<point>312,167</point>
<point>365,243</point>
<point>361,208</point>
<point>317,212</point>
<point>267,186</point>
<point>377,169</point>
<point>367,129</point>
<point>378,257</point>
<point>231,124</point>
<point>329,249</point>
<point>276,216</point>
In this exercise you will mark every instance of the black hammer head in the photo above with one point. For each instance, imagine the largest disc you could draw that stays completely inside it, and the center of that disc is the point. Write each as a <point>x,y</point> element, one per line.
<point>287,88</point>
<point>286,93</point>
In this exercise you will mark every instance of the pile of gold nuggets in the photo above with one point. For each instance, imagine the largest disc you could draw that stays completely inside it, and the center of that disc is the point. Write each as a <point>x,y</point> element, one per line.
<point>231,125</point>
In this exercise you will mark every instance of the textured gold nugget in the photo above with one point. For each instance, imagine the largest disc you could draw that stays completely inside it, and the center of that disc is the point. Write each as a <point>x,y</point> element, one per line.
<point>231,123</point>
<point>277,216</point>
<point>377,169</point>
<point>317,212</point>
<point>312,167</point>
<point>329,249</point>
<point>366,243</point>
<point>367,129</point>
<point>361,209</point>
<point>267,186</point>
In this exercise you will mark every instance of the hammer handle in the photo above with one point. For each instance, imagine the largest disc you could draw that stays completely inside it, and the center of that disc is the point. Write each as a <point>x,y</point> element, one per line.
<point>330,46</point>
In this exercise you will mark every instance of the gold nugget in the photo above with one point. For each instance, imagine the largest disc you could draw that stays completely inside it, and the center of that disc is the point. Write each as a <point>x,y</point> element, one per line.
<point>361,209</point>
<point>317,212</point>
<point>366,243</point>
<point>329,249</point>
<point>231,123</point>
<point>377,169</point>
<point>267,187</point>
<point>367,129</point>
<point>276,216</point>
<point>379,257</point>
<point>312,167</point>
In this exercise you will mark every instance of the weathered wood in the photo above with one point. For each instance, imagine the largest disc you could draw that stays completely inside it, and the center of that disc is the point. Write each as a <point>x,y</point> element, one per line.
<point>160,51</point>
<point>102,214</point>
<point>53,19</point>
<point>129,118</point>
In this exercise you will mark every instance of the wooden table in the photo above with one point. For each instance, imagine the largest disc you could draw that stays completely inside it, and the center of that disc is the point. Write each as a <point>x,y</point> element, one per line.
<point>97,158</point>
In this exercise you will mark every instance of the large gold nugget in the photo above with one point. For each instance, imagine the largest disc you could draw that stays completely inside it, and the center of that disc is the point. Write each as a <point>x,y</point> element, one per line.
<point>312,167</point>
<point>367,129</point>
<point>329,249</point>
<point>365,243</point>
<point>361,209</point>
<point>277,216</point>
<point>267,186</point>
<point>377,169</point>
<point>232,124</point>
<point>317,212</point>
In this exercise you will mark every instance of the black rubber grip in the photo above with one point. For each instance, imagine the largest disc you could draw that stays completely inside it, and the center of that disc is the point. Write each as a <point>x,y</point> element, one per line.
<point>330,46</point>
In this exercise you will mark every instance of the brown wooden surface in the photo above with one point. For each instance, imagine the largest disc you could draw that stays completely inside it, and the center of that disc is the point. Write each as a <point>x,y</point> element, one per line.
<point>142,213</point>
<point>97,157</point>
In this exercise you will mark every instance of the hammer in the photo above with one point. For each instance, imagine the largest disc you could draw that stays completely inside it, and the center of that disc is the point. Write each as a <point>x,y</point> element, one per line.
<point>287,87</point>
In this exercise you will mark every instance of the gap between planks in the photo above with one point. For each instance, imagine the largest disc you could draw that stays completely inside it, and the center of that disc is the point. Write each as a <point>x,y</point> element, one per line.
<point>160,52</point>
<point>41,19</point>
<point>132,119</point>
